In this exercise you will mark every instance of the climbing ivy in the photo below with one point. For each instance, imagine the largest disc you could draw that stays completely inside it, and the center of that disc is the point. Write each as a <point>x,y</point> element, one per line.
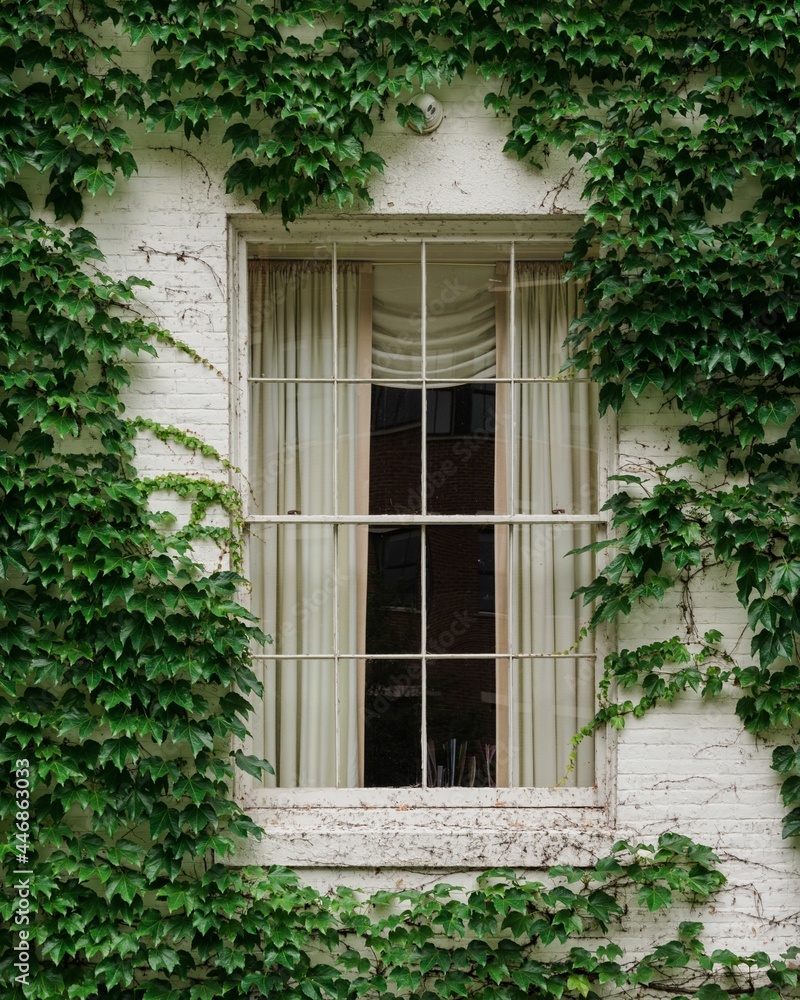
<point>125,661</point>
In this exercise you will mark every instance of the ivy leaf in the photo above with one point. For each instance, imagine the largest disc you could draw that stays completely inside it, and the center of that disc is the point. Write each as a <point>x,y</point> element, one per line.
<point>195,734</point>
<point>253,765</point>
<point>752,571</point>
<point>140,632</point>
<point>785,759</point>
<point>411,114</point>
<point>207,991</point>
<point>655,897</point>
<point>242,137</point>
<point>348,148</point>
<point>768,612</point>
<point>163,957</point>
<point>14,200</point>
<point>163,820</point>
<point>712,991</point>
<point>790,791</point>
<point>125,884</point>
<point>118,750</point>
<point>125,163</point>
<point>66,201</point>
<point>579,984</point>
<point>150,606</point>
<point>96,179</point>
<point>159,566</point>
<point>791,824</point>
<point>195,786</point>
<point>527,977</point>
<point>786,576</point>
<point>777,411</point>
<point>162,991</point>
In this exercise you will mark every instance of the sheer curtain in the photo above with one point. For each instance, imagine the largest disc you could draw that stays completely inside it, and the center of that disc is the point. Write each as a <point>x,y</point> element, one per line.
<point>460,335</point>
<point>555,450</point>
<point>311,728</point>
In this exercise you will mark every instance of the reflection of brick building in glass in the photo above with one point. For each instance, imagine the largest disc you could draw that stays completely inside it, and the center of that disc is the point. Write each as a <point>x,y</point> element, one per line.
<point>459,561</point>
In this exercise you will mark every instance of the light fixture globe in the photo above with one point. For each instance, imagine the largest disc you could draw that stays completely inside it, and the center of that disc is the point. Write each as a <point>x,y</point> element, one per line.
<point>431,109</point>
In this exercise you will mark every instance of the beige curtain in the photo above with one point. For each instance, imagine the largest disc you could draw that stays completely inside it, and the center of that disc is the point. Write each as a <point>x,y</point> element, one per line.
<point>293,447</point>
<point>460,324</point>
<point>554,445</point>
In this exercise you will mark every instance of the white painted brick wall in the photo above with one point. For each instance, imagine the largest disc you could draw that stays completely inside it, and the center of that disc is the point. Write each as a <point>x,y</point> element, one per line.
<point>688,767</point>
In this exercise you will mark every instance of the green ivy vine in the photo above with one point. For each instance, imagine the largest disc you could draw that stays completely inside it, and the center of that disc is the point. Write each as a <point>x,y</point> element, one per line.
<point>125,662</point>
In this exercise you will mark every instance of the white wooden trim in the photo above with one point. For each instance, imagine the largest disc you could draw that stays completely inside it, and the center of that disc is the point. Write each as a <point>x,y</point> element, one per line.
<point>437,827</point>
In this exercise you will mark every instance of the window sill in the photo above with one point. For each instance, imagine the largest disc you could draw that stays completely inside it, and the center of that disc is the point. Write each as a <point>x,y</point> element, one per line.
<point>436,828</point>
<point>430,837</point>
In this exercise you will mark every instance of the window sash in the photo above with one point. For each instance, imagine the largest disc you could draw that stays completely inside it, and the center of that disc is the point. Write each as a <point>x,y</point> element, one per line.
<point>507,382</point>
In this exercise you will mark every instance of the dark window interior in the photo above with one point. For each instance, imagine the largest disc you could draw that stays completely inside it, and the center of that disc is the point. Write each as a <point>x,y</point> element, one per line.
<point>460,693</point>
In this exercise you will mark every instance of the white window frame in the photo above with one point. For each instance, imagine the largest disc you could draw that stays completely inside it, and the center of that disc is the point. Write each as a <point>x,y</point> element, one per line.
<point>368,827</point>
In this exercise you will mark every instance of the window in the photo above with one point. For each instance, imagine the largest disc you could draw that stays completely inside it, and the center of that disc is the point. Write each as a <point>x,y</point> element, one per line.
<point>421,470</point>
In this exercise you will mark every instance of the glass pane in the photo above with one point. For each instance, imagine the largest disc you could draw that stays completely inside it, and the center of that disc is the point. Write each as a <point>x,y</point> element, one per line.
<point>544,308</point>
<point>556,448</point>
<point>485,254</point>
<point>461,723</point>
<point>300,723</point>
<point>395,452</point>
<point>353,452</point>
<point>279,251</point>
<point>457,576</point>
<point>461,314</point>
<point>460,449</point>
<point>544,575</point>
<point>349,685</point>
<point>551,700</point>
<point>393,724</point>
<point>397,320</point>
<point>393,594</point>
<point>352,588</point>
<point>291,319</point>
<point>294,586</point>
<point>291,448</point>
<point>486,571</point>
